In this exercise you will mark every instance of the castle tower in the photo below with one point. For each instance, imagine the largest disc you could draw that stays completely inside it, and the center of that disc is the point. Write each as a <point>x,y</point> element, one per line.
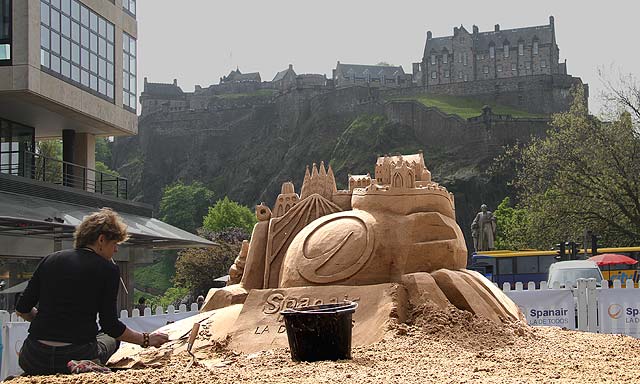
<point>285,200</point>
<point>320,181</point>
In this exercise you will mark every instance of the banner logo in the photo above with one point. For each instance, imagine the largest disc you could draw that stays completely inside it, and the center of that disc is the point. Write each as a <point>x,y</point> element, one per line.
<point>614,311</point>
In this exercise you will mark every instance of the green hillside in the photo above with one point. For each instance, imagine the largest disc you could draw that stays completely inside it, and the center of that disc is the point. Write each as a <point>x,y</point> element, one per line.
<point>465,107</point>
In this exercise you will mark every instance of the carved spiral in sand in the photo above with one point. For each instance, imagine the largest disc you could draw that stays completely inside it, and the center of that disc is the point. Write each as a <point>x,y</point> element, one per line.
<point>336,250</point>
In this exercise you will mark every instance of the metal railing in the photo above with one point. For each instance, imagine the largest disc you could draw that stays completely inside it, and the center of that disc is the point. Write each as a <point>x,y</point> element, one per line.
<point>49,170</point>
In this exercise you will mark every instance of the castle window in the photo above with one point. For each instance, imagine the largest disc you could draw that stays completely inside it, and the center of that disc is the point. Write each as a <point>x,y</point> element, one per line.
<point>535,47</point>
<point>513,66</point>
<point>446,73</point>
<point>492,52</point>
<point>485,69</point>
<point>460,58</point>
<point>445,58</point>
<point>460,75</point>
<point>466,77</point>
<point>521,49</point>
<point>433,59</point>
<point>499,67</point>
<point>543,63</point>
<point>464,59</point>
<point>434,74</point>
<point>505,47</point>
<point>527,65</point>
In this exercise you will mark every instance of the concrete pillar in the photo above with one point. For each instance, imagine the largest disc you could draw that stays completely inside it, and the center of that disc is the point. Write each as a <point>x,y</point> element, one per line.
<point>68,150</point>
<point>84,155</point>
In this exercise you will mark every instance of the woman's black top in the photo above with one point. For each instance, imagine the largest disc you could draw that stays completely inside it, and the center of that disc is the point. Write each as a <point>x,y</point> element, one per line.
<point>70,288</point>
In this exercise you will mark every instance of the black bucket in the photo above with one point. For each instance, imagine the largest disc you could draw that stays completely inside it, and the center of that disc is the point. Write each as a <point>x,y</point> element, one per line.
<point>320,332</point>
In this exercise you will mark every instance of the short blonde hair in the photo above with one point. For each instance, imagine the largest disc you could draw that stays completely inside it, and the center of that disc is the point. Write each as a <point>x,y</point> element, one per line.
<point>104,222</point>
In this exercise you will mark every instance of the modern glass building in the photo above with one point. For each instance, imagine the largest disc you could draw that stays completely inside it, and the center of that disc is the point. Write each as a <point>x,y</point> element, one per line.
<point>67,72</point>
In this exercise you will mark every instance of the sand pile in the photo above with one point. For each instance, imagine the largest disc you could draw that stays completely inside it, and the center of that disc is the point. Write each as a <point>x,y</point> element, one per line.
<point>448,346</point>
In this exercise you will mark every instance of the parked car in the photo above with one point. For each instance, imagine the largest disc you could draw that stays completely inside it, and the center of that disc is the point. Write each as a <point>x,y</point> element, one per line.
<point>567,273</point>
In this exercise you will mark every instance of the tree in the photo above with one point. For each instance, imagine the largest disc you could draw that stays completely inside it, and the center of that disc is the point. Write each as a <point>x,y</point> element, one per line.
<point>103,150</point>
<point>512,226</point>
<point>584,175</point>
<point>196,269</point>
<point>185,205</point>
<point>45,169</point>
<point>229,214</point>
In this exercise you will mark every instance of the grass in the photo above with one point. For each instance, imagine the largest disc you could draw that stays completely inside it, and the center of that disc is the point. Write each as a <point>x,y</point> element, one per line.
<point>258,93</point>
<point>465,107</point>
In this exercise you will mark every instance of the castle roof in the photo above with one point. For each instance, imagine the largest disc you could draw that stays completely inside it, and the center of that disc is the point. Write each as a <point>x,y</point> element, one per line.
<point>237,76</point>
<point>280,75</point>
<point>482,40</point>
<point>162,89</point>
<point>415,158</point>
<point>371,70</point>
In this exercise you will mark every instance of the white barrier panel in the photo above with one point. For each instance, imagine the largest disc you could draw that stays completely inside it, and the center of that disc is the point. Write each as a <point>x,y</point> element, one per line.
<point>13,335</point>
<point>151,323</point>
<point>619,309</point>
<point>546,307</point>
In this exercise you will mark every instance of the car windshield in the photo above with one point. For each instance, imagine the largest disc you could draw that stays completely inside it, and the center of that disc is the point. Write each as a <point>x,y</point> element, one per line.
<point>570,276</point>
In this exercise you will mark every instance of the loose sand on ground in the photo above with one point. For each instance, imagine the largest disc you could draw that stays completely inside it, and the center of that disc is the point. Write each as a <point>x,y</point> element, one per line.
<point>435,346</point>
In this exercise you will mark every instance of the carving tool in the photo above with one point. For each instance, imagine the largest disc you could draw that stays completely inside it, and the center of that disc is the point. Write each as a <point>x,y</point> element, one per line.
<point>192,338</point>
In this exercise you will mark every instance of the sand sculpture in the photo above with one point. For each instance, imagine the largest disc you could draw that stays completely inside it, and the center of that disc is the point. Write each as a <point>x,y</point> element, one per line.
<point>389,242</point>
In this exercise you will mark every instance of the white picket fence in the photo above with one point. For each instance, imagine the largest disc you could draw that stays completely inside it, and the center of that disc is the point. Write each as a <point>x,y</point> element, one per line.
<point>587,308</point>
<point>15,330</point>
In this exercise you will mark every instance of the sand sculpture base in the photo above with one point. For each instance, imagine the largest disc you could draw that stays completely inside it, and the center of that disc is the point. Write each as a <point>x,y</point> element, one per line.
<point>257,324</point>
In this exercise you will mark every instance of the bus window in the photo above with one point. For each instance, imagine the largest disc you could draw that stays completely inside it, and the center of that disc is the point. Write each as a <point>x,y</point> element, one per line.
<point>527,264</point>
<point>545,262</point>
<point>505,266</point>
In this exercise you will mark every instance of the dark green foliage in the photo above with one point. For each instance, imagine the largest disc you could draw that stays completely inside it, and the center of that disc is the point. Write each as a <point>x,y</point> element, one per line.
<point>185,205</point>
<point>156,278</point>
<point>103,151</point>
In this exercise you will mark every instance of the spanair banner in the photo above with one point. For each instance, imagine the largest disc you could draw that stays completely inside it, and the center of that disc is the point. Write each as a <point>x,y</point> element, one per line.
<point>547,307</point>
<point>619,311</point>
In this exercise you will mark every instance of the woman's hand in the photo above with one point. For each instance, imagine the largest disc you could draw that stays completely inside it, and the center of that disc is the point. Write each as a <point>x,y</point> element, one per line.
<point>156,339</point>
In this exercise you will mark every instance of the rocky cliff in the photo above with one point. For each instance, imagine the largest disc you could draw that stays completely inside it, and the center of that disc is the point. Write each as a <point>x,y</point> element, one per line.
<point>247,151</point>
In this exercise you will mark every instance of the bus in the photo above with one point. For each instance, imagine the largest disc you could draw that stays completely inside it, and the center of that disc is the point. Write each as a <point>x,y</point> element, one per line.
<point>505,266</point>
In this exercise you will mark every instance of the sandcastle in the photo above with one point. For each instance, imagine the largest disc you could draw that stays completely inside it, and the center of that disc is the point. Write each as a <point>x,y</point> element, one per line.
<point>389,242</point>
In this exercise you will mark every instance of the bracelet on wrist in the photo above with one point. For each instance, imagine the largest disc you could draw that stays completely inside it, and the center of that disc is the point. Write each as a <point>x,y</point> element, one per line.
<point>145,340</point>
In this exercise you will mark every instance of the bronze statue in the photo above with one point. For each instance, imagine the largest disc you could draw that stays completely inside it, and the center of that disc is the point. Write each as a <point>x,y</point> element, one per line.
<point>483,230</point>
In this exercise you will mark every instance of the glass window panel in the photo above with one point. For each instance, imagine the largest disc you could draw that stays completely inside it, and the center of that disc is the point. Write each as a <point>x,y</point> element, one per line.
<point>66,49</point>
<point>75,31</point>
<point>125,42</point>
<point>110,32</point>
<point>102,47</point>
<point>132,65</point>
<point>132,84</point>
<point>44,14</point>
<point>5,52</point>
<point>44,37</point>
<point>55,63</point>
<point>125,63</point>
<point>505,266</point>
<point>93,82</point>
<point>84,58</point>
<point>66,26</point>
<point>93,21</point>
<point>527,264</point>
<point>66,6</point>
<point>102,86</point>
<point>75,10</point>
<point>85,37</point>
<point>132,101</point>
<point>75,53</point>
<point>55,42</point>
<point>125,98</point>
<point>102,27</point>
<point>125,4</point>
<point>84,16</point>
<point>44,58</point>
<point>110,90</point>
<point>94,42</point>
<point>66,69</point>
<point>125,81</point>
<point>94,63</point>
<point>132,46</point>
<point>110,71</point>
<point>84,78</point>
<point>55,20</point>
<point>102,68</point>
<point>132,6</point>
<point>75,73</point>
<point>56,3</point>
<point>110,49</point>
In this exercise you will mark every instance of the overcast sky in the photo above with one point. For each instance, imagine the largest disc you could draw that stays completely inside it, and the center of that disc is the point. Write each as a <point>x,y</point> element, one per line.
<point>198,41</point>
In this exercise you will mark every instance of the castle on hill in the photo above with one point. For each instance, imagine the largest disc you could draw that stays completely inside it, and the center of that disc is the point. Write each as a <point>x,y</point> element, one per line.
<point>518,67</point>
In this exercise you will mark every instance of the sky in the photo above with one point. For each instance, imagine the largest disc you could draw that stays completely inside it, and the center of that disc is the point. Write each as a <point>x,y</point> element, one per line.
<point>198,41</point>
